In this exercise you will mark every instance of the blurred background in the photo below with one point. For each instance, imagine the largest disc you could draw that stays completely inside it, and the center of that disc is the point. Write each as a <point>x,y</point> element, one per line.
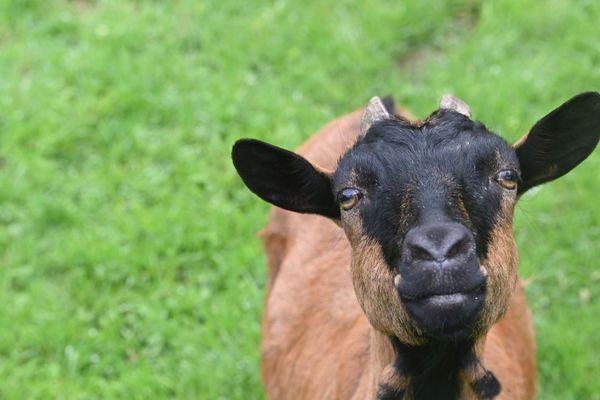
<point>129,263</point>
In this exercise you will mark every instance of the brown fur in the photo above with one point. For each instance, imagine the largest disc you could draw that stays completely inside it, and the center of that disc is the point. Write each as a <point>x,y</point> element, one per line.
<point>317,341</point>
<point>387,315</point>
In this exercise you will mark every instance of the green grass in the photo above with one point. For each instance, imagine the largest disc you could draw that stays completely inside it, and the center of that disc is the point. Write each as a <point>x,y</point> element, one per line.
<point>129,266</point>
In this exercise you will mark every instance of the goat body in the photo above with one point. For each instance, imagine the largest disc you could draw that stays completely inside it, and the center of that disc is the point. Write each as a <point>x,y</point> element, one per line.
<point>317,342</point>
<point>408,289</point>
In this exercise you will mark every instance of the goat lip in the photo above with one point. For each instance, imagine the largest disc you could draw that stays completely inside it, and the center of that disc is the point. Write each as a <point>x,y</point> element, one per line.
<point>445,297</point>
<point>445,300</point>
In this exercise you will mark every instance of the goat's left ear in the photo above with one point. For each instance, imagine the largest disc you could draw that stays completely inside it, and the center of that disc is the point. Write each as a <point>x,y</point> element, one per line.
<point>560,141</point>
<point>284,178</point>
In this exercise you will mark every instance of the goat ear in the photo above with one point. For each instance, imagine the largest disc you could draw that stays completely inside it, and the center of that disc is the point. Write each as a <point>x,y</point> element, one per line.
<point>560,141</point>
<point>284,178</point>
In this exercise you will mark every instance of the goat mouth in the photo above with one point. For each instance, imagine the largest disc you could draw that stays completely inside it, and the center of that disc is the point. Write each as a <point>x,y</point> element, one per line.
<point>446,300</point>
<point>445,295</point>
<point>449,315</point>
<point>467,280</point>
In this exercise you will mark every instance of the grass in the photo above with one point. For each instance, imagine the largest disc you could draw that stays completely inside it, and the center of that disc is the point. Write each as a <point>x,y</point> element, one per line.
<point>129,266</point>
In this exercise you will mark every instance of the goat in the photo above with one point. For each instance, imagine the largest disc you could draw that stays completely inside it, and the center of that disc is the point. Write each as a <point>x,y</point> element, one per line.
<point>408,289</point>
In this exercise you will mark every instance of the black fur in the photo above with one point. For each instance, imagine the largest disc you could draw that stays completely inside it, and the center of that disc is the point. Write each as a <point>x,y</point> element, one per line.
<point>560,141</point>
<point>387,392</point>
<point>396,159</point>
<point>430,168</point>
<point>389,104</point>
<point>433,368</point>
<point>486,387</point>
<point>283,178</point>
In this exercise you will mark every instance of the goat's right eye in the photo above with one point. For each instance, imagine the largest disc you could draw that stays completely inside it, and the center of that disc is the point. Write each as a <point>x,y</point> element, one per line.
<point>507,178</point>
<point>348,198</point>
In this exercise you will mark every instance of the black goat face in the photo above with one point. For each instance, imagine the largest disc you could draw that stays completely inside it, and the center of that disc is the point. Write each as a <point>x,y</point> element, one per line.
<point>432,197</point>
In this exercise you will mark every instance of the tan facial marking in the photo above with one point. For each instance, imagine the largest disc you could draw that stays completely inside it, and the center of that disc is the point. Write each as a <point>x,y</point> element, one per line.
<point>405,212</point>
<point>500,265</point>
<point>374,286</point>
<point>460,204</point>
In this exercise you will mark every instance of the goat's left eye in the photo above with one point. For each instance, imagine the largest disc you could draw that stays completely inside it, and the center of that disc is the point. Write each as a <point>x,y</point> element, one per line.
<point>507,178</point>
<point>348,198</point>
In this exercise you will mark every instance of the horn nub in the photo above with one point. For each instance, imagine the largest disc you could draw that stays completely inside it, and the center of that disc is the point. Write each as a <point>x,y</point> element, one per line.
<point>374,112</point>
<point>454,103</point>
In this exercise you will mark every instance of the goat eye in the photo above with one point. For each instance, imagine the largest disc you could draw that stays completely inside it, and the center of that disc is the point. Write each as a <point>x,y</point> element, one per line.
<point>507,178</point>
<point>348,198</point>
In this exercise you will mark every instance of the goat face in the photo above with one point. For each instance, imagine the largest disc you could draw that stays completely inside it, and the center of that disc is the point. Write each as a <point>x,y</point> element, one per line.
<point>427,209</point>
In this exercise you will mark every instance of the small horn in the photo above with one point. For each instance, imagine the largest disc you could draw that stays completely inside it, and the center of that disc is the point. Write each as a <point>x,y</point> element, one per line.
<point>374,112</point>
<point>454,103</point>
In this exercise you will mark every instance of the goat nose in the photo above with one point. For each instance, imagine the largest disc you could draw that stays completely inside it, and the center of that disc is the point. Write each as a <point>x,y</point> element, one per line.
<point>440,242</point>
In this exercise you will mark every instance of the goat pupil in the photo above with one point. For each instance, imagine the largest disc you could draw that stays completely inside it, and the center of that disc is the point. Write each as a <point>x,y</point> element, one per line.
<point>507,175</point>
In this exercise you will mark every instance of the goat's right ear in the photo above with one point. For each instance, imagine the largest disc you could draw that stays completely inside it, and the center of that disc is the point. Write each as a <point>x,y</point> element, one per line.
<point>560,141</point>
<point>284,178</point>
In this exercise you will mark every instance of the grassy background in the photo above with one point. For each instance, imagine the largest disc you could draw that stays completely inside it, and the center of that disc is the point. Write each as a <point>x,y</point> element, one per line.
<point>129,266</point>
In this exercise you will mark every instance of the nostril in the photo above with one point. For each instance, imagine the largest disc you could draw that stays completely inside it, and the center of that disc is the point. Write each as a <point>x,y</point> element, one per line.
<point>460,247</point>
<point>419,253</point>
